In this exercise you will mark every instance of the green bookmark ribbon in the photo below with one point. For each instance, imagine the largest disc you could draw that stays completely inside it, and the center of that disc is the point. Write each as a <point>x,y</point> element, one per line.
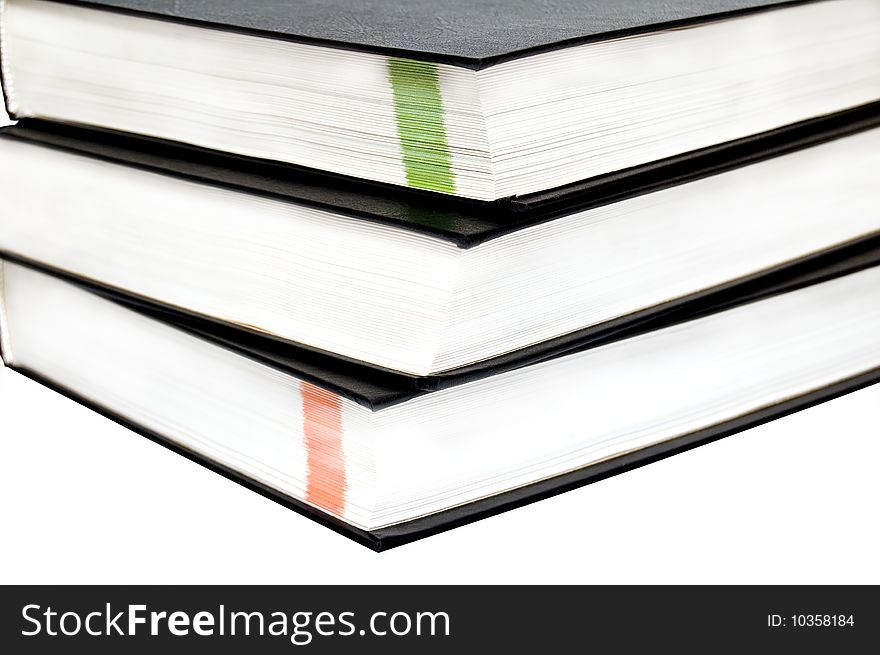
<point>418,109</point>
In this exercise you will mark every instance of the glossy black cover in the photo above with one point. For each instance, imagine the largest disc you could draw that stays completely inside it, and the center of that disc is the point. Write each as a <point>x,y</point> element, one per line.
<point>470,33</point>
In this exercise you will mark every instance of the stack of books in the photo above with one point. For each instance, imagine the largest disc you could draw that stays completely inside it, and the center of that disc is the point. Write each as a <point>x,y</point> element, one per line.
<point>403,265</point>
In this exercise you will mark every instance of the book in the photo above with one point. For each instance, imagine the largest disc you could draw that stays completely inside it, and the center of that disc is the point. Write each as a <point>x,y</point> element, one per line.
<point>425,463</point>
<point>469,98</point>
<point>411,286</point>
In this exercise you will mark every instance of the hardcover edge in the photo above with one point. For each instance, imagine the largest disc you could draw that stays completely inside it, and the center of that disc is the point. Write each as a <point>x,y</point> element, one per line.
<point>420,528</point>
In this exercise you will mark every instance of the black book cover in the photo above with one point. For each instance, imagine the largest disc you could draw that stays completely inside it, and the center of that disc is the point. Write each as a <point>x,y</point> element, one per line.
<point>469,33</point>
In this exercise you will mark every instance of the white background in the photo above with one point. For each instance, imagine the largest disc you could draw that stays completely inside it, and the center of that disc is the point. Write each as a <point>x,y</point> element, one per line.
<point>794,501</point>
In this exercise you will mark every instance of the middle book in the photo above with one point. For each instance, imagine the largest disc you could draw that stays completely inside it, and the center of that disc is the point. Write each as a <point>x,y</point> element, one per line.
<point>423,286</point>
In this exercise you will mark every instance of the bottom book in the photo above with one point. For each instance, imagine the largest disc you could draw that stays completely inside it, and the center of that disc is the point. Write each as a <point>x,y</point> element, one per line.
<point>434,461</point>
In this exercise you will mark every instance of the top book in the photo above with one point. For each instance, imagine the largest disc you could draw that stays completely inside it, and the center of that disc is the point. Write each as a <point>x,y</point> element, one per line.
<point>483,99</point>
